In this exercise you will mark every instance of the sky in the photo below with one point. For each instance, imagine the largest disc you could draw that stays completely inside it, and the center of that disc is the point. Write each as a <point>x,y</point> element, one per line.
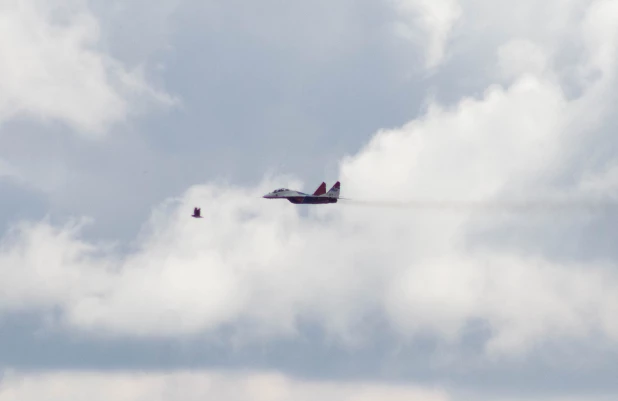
<point>118,117</point>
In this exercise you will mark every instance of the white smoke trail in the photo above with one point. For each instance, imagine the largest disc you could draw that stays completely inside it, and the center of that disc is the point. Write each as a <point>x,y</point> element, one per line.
<point>534,205</point>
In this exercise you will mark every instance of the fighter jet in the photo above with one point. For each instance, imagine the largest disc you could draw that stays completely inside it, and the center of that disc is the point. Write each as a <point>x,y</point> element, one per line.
<point>196,213</point>
<point>296,197</point>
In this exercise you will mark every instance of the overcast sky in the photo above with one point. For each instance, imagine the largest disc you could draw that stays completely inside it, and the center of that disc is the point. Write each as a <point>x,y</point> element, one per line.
<point>117,117</point>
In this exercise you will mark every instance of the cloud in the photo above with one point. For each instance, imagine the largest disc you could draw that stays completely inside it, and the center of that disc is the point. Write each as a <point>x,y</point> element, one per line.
<point>559,398</point>
<point>520,57</point>
<point>428,23</point>
<point>6,170</point>
<point>197,385</point>
<point>138,30</point>
<point>259,269</point>
<point>600,36</point>
<point>54,69</point>
<point>234,386</point>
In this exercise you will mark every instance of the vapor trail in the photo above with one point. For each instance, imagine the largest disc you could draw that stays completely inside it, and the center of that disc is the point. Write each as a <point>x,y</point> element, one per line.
<point>539,205</point>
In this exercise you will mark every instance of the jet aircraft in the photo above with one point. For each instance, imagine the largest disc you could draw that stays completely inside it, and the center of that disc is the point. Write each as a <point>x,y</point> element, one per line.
<point>197,213</point>
<point>319,196</point>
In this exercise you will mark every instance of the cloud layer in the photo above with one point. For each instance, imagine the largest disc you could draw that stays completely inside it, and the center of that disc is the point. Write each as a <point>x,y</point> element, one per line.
<point>428,23</point>
<point>523,285</point>
<point>54,68</point>
<point>261,267</point>
<point>197,385</point>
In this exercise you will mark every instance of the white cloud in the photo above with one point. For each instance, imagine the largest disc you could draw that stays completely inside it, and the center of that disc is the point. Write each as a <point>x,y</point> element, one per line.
<point>53,68</point>
<point>556,398</point>
<point>259,265</point>
<point>521,57</point>
<point>601,35</point>
<point>233,386</point>
<point>550,23</point>
<point>198,385</point>
<point>428,23</point>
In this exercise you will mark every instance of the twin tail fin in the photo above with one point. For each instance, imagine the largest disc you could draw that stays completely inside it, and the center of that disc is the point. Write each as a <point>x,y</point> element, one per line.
<point>334,191</point>
<point>321,190</point>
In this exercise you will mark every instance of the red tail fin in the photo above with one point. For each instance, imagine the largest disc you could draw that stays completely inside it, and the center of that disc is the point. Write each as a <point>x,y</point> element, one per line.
<point>334,191</point>
<point>321,190</point>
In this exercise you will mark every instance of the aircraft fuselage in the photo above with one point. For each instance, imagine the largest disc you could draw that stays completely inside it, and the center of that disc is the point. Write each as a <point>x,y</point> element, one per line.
<point>300,198</point>
<point>310,200</point>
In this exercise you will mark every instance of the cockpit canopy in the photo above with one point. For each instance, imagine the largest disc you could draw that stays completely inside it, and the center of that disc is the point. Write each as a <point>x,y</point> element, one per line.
<point>280,190</point>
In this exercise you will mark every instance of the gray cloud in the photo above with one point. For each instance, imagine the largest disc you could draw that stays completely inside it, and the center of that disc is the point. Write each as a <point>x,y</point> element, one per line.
<point>50,70</point>
<point>265,93</point>
<point>290,109</point>
<point>264,386</point>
